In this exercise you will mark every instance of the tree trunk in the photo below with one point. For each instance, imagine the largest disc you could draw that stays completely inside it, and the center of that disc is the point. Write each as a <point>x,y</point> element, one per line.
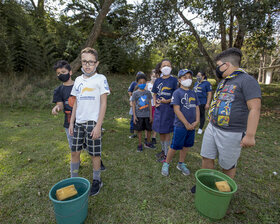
<point>200,44</point>
<point>230,43</point>
<point>95,32</point>
<point>260,69</point>
<point>241,33</point>
<point>222,24</point>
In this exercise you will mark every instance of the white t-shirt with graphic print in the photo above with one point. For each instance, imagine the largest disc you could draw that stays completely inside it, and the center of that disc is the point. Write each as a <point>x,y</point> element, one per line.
<point>88,92</point>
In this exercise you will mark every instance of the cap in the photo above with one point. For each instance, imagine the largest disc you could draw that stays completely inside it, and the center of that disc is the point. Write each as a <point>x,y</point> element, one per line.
<point>183,72</point>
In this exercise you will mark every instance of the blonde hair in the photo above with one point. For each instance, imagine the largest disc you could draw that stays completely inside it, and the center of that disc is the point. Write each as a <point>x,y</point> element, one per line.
<point>90,50</point>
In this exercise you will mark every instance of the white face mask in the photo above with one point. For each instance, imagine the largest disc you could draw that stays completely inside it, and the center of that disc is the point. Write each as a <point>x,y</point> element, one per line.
<point>186,82</point>
<point>88,74</point>
<point>166,70</point>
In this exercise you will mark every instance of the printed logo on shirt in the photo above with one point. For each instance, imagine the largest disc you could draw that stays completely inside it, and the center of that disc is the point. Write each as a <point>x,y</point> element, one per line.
<point>86,89</point>
<point>188,102</point>
<point>161,89</point>
<point>224,105</point>
<point>142,102</point>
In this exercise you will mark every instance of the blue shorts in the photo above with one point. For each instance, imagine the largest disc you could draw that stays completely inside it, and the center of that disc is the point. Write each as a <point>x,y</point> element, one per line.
<point>182,138</point>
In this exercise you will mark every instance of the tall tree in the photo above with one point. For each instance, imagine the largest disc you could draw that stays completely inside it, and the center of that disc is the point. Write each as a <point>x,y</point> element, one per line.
<point>95,32</point>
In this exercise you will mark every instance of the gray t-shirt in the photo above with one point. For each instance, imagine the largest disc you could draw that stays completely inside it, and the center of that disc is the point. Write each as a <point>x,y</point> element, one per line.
<point>231,111</point>
<point>142,100</point>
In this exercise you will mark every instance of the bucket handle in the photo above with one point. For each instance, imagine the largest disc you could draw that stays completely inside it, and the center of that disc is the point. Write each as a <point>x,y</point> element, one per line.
<point>62,216</point>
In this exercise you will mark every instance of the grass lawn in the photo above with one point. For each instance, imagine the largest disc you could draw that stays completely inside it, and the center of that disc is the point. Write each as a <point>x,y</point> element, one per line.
<point>34,155</point>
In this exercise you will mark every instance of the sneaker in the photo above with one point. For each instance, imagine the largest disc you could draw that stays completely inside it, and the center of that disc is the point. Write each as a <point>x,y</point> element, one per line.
<point>149,146</point>
<point>140,148</point>
<point>102,167</point>
<point>160,154</point>
<point>199,131</point>
<point>165,169</point>
<point>154,141</point>
<point>95,187</point>
<point>145,141</point>
<point>133,136</point>
<point>193,190</point>
<point>182,167</point>
<point>162,159</point>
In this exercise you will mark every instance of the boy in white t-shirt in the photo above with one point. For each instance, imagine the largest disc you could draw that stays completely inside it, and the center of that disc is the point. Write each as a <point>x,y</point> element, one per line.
<point>91,90</point>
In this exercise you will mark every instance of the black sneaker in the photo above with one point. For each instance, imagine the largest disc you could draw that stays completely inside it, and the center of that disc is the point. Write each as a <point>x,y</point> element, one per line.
<point>102,167</point>
<point>133,136</point>
<point>160,154</point>
<point>149,146</point>
<point>193,190</point>
<point>154,141</point>
<point>145,141</point>
<point>95,187</point>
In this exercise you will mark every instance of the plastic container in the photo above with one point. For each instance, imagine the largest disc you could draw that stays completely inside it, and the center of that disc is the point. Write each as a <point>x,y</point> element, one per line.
<point>73,210</point>
<point>208,200</point>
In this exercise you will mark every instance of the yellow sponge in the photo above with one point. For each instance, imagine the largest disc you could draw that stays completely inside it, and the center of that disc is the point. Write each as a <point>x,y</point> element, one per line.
<point>223,186</point>
<point>66,192</point>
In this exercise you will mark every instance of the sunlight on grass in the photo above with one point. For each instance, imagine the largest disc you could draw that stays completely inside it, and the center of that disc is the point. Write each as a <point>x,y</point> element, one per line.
<point>122,122</point>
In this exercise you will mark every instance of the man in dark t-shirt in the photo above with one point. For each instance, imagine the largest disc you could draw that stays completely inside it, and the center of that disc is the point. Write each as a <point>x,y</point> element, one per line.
<point>234,114</point>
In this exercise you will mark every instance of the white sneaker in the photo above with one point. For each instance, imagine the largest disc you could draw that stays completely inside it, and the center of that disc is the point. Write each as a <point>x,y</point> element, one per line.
<point>199,131</point>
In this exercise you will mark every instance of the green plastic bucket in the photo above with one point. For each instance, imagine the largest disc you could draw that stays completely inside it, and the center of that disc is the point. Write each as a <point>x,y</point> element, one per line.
<point>75,209</point>
<point>208,200</point>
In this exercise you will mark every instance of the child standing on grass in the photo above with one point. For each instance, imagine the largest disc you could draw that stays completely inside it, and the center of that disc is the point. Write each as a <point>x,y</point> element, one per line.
<point>150,87</point>
<point>142,112</point>
<point>91,90</point>
<point>186,107</point>
<point>130,91</point>
<point>163,89</point>
<point>61,96</point>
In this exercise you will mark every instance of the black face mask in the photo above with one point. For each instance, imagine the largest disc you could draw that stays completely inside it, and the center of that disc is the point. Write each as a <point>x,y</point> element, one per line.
<point>219,74</point>
<point>64,77</point>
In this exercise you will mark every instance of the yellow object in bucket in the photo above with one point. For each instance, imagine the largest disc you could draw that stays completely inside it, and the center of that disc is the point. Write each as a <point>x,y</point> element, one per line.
<point>223,186</point>
<point>66,192</point>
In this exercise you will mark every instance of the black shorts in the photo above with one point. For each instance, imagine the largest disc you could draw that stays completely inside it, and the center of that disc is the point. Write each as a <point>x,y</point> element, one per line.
<point>82,139</point>
<point>142,124</point>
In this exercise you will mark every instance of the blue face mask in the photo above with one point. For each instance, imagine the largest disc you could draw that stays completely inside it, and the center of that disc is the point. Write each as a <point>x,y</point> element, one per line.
<point>142,86</point>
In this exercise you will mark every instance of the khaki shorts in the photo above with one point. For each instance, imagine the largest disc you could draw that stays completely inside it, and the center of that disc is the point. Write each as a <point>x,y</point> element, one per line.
<point>224,144</point>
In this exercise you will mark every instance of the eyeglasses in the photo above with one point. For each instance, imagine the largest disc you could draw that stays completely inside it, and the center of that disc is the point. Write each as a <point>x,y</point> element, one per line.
<point>91,63</point>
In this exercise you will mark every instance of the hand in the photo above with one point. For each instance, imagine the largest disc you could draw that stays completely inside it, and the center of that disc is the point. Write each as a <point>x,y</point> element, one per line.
<point>55,110</point>
<point>158,101</point>
<point>248,141</point>
<point>151,119</point>
<point>189,127</point>
<point>164,100</point>
<point>135,119</point>
<point>71,129</point>
<point>194,124</point>
<point>207,106</point>
<point>96,132</point>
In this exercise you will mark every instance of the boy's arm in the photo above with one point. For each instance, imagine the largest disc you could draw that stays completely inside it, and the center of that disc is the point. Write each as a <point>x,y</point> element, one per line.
<point>96,132</point>
<point>254,106</point>
<point>151,114</point>
<point>209,96</point>
<point>197,117</point>
<point>58,107</point>
<point>73,117</point>
<point>182,117</point>
<point>134,111</point>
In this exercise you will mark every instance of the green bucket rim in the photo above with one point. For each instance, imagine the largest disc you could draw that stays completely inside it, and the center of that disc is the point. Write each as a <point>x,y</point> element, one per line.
<point>72,200</point>
<point>224,176</point>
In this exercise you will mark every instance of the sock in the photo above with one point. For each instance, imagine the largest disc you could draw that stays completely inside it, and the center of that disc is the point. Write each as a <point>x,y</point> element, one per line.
<point>96,174</point>
<point>74,169</point>
<point>166,147</point>
<point>162,145</point>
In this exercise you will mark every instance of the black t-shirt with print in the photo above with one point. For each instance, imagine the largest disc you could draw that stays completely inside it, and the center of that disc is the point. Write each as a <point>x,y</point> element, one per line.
<point>62,94</point>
